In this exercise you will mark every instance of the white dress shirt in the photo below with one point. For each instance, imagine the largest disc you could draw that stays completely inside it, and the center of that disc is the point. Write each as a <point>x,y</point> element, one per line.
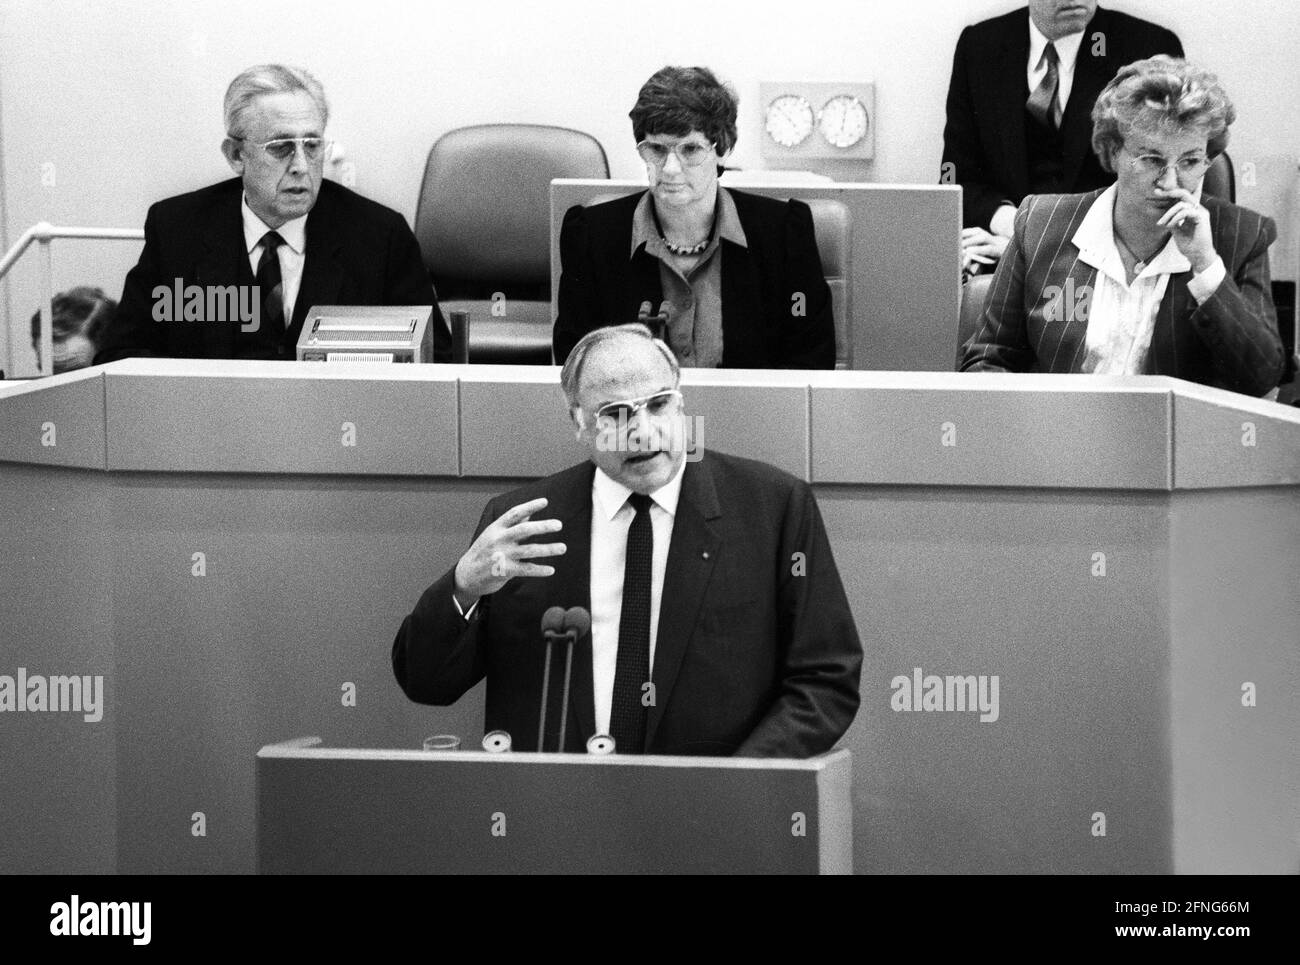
<point>611,518</point>
<point>1122,317</point>
<point>1067,53</point>
<point>293,253</point>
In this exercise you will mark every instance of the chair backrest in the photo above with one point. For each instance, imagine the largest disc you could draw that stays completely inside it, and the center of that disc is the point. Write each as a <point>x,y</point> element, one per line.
<point>1220,180</point>
<point>484,209</point>
<point>831,222</point>
<point>973,295</point>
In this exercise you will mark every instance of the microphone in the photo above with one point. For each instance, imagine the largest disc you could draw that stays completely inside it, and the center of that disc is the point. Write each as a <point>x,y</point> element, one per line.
<point>579,620</point>
<point>657,323</point>
<point>577,624</point>
<point>552,627</point>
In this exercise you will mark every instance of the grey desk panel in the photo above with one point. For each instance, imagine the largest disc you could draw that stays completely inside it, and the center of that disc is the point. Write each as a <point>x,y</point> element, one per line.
<point>767,422</point>
<point>1227,440</point>
<point>58,801</point>
<point>1001,583</point>
<point>906,272</point>
<point>195,423</point>
<point>54,422</point>
<point>325,811</point>
<point>515,429</point>
<point>305,583</point>
<point>1025,439</point>
<point>1235,614</point>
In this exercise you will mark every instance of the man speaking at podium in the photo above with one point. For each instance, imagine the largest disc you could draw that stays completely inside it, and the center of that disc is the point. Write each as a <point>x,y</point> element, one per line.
<point>231,270</point>
<point>719,625</point>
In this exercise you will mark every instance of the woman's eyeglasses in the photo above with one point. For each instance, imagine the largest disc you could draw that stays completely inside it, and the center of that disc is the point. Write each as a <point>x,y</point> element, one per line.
<point>1154,166</point>
<point>691,154</point>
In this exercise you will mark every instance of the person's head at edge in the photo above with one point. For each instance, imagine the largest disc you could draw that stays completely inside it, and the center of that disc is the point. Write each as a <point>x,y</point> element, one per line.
<point>625,363</point>
<point>684,109</point>
<point>1159,108</point>
<point>77,317</point>
<point>263,105</point>
<point>1060,18</point>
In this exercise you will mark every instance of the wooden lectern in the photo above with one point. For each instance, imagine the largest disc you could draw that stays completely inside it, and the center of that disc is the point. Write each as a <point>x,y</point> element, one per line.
<point>343,810</point>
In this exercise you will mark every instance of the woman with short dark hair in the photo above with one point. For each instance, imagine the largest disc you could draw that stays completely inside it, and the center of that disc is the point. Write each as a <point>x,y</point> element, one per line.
<point>737,275</point>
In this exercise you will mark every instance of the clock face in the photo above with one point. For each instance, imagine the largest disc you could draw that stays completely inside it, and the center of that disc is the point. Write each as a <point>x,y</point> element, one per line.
<point>843,121</point>
<point>789,120</point>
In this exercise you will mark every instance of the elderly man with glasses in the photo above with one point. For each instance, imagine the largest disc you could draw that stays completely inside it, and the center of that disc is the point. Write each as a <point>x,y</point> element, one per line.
<point>734,279</point>
<point>718,623</point>
<point>278,236</point>
<point>1148,276</point>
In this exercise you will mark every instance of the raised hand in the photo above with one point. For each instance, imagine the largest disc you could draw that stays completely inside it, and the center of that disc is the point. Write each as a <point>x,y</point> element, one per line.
<point>500,553</point>
<point>1189,223</point>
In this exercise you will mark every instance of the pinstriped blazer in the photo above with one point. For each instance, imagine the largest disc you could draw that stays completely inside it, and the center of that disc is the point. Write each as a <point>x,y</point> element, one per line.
<point>1230,341</point>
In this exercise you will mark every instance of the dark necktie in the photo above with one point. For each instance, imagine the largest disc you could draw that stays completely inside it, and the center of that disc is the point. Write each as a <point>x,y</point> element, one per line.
<point>1042,102</point>
<point>627,714</point>
<point>269,283</point>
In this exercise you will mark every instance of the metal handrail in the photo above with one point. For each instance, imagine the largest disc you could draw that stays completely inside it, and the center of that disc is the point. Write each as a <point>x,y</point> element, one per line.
<point>44,233</point>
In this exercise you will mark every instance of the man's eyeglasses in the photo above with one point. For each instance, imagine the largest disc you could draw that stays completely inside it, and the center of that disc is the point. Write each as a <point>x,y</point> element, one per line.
<point>283,148</point>
<point>617,415</point>
<point>691,154</point>
<point>1154,166</point>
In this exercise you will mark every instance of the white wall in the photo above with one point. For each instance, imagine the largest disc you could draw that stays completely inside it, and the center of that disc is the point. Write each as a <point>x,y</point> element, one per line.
<point>123,97</point>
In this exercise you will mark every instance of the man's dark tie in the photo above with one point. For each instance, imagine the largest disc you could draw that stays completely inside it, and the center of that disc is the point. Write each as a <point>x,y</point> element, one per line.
<point>269,283</point>
<point>1042,102</point>
<point>627,714</point>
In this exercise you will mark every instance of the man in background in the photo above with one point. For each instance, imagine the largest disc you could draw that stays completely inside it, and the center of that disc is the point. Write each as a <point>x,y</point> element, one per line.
<point>1020,109</point>
<point>279,226</point>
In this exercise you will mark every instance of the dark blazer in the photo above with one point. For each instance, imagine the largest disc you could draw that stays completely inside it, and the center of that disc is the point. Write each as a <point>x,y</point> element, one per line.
<point>600,285</point>
<point>984,138</point>
<point>358,253</point>
<point>1230,341</point>
<point>757,652</point>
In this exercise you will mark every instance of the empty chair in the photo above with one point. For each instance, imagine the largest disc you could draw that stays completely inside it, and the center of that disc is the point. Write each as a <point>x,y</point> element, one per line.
<point>483,222</point>
<point>1219,180</point>
<point>834,245</point>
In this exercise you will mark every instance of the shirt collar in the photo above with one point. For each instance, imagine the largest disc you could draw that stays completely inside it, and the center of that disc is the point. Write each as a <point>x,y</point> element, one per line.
<point>1067,47</point>
<point>293,232</point>
<point>646,232</point>
<point>612,495</point>
<point>1095,240</point>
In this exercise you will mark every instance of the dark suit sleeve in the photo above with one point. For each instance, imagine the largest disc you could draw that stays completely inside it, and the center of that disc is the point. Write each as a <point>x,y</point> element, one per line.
<point>964,162</point>
<point>407,282</point>
<point>808,342</point>
<point>821,658</point>
<point>438,655</point>
<point>1238,322</point>
<point>1001,343</point>
<point>577,308</point>
<point>133,331</point>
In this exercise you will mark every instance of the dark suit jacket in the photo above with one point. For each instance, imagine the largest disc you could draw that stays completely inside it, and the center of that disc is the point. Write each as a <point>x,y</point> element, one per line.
<point>600,285</point>
<point>358,253</point>
<point>984,138</point>
<point>757,653</point>
<point>1230,341</point>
